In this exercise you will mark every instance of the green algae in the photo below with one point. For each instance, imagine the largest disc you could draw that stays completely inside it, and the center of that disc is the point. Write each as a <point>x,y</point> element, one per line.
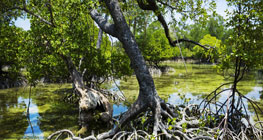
<point>199,80</point>
<point>54,114</point>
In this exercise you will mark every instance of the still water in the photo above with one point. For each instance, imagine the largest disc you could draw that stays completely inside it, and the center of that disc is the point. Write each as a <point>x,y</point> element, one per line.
<point>49,113</point>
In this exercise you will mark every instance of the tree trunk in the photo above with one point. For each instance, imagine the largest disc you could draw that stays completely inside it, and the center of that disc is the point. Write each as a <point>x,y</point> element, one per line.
<point>90,99</point>
<point>101,34</point>
<point>148,96</point>
<point>134,26</point>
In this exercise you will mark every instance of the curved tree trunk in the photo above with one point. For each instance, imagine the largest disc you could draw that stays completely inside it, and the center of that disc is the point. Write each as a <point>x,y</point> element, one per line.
<point>148,96</point>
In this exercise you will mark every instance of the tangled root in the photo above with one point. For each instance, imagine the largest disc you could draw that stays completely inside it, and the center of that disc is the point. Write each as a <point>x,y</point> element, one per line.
<point>190,124</point>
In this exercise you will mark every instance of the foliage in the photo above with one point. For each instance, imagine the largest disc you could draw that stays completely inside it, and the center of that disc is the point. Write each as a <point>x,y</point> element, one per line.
<point>64,28</point>
<point>11,42</point>
<point>209,55</point>
<point>154,46</point>
<point>214,26</point>
<point>193,10</point>
<point>72,33</point>
<point>8,14</point>
<point>246,40</point>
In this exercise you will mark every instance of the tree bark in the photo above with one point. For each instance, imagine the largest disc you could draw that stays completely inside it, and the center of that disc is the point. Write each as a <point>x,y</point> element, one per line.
<point>134,25</point>
<point>148,96</point>
<point>138,63</point>
<point>90,99</point>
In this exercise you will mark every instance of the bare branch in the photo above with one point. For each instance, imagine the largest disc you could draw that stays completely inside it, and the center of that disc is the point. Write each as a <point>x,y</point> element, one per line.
<point>166,29</point>
<point>207,47</point>
<point>50,12</point>
<point>152,5</point>
<point>102,22</point>
<point>170,6</point>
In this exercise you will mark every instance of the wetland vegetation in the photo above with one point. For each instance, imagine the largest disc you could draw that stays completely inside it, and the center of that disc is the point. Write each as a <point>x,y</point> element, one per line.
<point>48,111</point>
<point>105,69</point>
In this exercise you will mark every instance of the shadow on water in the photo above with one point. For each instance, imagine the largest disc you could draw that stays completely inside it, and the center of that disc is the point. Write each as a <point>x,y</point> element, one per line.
<point>13,120</point>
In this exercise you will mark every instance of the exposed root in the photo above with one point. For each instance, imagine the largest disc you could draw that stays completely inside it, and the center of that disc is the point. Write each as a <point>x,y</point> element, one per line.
<point>159,120</point>
<point>133,111</point>
<point>231,116</point>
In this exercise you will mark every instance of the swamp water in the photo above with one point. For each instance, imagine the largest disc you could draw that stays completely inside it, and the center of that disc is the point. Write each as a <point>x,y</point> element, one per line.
<point>49,113</point>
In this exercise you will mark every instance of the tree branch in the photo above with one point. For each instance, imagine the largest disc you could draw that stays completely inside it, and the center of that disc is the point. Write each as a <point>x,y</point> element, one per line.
<point>206,47</point>
<point>50,11</point>
<point>33,14</point>
<point>103,24</point>
<point>170,6</point>
<point>144,6</point>
<point>152,5</point>
<point>100,35</point>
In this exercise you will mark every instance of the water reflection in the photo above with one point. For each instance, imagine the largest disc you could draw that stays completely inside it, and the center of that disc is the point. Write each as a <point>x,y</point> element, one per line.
<point>48,113</point>
<point>33,130</point>
<point>118,109</point>
<point>177,99</point>
<point>197,83</point>
<point>255,93</point>
<point>180,98</point>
